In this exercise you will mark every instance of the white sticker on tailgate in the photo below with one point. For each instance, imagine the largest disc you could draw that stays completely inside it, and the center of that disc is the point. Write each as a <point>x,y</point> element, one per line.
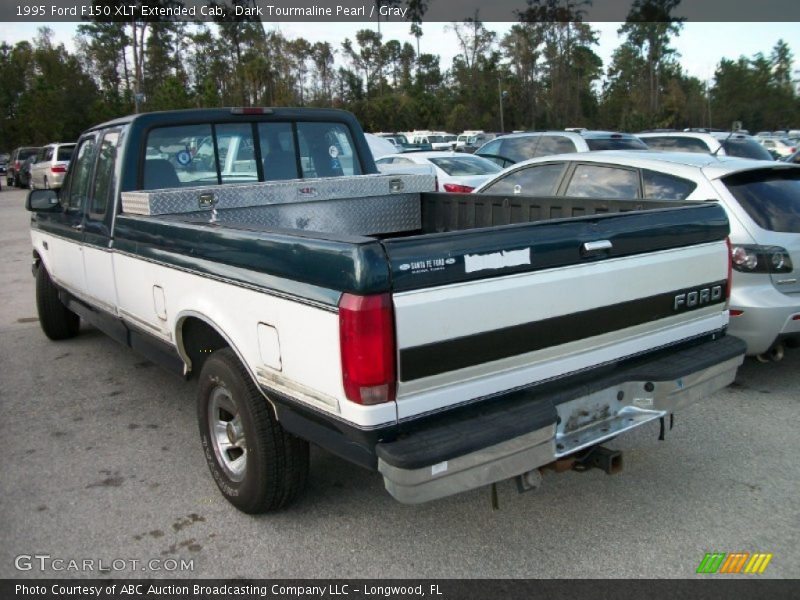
<point>496,260</point>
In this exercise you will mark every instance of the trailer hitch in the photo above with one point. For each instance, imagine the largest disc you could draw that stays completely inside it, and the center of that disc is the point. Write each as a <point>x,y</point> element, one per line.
<point>598,457</point>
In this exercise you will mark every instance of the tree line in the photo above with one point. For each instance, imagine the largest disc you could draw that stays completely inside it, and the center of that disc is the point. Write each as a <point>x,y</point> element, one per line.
<point>544,70</point>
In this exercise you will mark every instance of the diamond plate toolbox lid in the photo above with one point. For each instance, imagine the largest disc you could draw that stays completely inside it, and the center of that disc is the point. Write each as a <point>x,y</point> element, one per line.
<point>197,199</point>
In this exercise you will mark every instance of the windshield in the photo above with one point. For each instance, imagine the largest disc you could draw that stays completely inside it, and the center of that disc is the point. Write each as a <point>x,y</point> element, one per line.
<point>746,148</point>
<point>434,139</point>
<point>771,197</point>
<point>465,165</point>
<point>620,143</point>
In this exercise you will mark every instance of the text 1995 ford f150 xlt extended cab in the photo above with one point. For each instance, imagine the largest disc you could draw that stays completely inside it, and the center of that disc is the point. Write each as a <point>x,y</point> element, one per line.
<point>447,341</point>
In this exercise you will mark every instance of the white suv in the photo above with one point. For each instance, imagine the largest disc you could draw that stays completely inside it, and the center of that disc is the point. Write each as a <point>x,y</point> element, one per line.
<point>513,148</point>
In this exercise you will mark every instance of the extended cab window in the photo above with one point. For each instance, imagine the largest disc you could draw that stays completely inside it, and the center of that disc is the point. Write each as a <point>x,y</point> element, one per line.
<point>105,174</point>
<point>596,181</point>
<point>80,174</point>
<point>540,180</point>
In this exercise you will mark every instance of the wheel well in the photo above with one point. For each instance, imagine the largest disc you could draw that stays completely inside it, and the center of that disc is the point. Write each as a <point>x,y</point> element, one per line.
<point>199,340</point>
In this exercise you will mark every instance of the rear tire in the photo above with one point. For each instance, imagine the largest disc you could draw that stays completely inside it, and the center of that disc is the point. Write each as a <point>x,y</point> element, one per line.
<point>57,321</point>
<point>257,465</point>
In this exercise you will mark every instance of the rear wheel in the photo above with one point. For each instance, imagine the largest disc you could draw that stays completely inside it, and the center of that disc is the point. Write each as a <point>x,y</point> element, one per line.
<point>257,465</point>
<point>57,321</point>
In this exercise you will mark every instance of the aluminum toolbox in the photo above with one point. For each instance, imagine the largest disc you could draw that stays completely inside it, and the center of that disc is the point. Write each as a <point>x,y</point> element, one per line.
<point>358,205</point>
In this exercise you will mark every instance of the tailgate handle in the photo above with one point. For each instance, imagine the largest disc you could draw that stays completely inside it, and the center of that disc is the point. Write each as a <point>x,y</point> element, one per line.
<point>599,245</point>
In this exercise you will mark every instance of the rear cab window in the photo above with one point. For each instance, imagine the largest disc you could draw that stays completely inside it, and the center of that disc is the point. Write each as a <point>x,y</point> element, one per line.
<point>770,197</point>
<point>247,152</point>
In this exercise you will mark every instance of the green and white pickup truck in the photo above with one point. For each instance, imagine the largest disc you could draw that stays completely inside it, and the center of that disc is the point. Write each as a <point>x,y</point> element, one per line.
<point>447,341</point>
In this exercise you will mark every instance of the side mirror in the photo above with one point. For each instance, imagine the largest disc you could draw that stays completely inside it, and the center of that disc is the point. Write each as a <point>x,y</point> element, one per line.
<point>42,201</point>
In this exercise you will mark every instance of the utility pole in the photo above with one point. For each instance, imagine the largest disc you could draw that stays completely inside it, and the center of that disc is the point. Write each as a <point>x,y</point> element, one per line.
<point>501,93</point>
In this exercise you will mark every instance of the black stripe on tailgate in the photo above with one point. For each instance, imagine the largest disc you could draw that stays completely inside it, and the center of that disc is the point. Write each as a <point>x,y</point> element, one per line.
<point>440,357</point>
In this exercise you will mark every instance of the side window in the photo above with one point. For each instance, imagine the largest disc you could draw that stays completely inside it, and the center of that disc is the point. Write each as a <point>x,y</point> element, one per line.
<point>519,148</point>
<point>554,144</point>
<point>660,186</point>
<point>539,180</point>
<point>80,174</point>
<point>237,157</point>
<point>596,181</point>
<point>278,154</point>
<point>104,178</point>
<point>327,150</point>
<point>491,148</point>
<point>676,144</point>
<point>178,156</point>
<point>48,154</point>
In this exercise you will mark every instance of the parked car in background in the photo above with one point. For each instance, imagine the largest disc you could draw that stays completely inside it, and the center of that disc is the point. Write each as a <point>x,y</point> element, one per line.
<point>473,142</point>
<point>516,147</point>
<point>455,172</point>
<point>762,201</point>
<point>439,140</point>
<point>50,166</point>
<point>401,143</point>
<point>18,157</point>
<point>721,143</point>
<point>379,146</point>
<point>777,146</point>
<point>24,175</point>
<point>4,164</point>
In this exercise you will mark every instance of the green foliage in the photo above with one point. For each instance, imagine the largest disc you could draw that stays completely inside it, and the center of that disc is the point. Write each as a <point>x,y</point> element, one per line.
<point>546,65</point>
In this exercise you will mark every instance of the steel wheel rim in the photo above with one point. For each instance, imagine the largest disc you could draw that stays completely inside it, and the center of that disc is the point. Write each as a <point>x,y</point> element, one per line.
<point>227,433</point>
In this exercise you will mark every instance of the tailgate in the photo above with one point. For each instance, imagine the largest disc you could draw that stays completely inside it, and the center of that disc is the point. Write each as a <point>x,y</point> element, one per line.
<point>484,311</point>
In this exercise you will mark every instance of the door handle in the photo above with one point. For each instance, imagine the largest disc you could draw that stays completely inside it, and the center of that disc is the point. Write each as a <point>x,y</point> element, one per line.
<point>599,245</point>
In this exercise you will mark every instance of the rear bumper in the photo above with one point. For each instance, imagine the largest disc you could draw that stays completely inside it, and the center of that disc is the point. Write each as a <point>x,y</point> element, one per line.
<point>526,429</point>
<point>767,315</point>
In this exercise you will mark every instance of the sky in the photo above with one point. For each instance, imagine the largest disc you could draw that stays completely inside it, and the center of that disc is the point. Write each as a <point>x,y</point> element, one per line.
<point>700,45</point>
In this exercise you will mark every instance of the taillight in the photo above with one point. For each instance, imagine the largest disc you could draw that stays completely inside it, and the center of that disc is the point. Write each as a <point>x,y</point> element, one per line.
<point>458,189</point>
<point>730,269</point>
<point>749,258</point>
<point>366,335</point>
<point>58,169</point>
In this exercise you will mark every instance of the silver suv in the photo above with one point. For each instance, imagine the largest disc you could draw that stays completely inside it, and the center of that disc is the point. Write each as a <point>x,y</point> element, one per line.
<point>50,166</point>
<point>762,200</point>
<point>516,147</point>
